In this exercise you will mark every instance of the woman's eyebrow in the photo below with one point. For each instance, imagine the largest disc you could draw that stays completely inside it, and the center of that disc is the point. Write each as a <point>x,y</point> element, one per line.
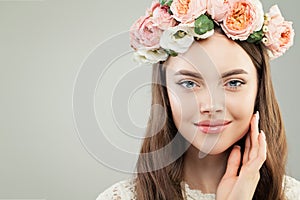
<point>233,72</point>
<point>189,73</point>
<point>199,76</point>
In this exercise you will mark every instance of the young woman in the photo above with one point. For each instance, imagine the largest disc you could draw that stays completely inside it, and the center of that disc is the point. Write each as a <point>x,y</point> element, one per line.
<point>222,135</point>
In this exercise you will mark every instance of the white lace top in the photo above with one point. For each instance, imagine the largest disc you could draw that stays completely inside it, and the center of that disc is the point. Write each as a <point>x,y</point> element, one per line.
<point>125,190</point>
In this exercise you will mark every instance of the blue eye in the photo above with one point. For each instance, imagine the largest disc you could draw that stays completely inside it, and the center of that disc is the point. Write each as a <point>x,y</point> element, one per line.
<point>234,84</point>
<point>188,84</point>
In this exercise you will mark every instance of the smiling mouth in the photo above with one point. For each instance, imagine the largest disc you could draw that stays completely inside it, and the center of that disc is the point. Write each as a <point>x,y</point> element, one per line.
<point>209,127</point>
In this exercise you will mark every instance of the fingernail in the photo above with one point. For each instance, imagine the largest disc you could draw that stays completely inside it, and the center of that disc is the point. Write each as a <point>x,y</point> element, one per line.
<point>237,146</point>
<point>263,134</point>
<point>257,115</point>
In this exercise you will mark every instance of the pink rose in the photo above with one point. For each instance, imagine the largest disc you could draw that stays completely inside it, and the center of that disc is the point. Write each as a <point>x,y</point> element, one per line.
<point>280,33</point>
<point>217,9</point>
<point>186,11</point>
<point>145,34</point>
<point>161,16</point>
<point>274,14</point>
<point>243,18</point>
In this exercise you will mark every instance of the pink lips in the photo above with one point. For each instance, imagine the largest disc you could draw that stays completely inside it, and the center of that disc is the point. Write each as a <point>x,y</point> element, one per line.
<point>212,126</point>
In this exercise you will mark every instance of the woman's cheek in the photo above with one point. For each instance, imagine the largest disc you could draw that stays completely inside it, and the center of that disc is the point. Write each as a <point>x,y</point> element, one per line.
<point>184,106</point>
<point>241,109</point>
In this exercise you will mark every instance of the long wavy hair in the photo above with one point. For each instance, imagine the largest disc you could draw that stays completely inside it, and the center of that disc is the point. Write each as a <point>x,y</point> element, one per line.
<point>164,183</point>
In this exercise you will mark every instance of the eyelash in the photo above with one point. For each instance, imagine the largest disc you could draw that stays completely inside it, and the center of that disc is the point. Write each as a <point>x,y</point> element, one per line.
<point>241,83</point>
<point>183,84</point>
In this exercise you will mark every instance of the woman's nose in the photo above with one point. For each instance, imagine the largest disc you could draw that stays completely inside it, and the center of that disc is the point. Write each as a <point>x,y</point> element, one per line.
<point>210,108</point>
<point>211,102</point>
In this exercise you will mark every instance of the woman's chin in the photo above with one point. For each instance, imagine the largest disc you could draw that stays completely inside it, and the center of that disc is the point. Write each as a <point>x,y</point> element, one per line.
<point>213,151</point>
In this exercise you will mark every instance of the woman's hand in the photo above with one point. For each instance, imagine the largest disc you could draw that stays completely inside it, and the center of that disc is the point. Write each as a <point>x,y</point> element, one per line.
<point>242,186</point>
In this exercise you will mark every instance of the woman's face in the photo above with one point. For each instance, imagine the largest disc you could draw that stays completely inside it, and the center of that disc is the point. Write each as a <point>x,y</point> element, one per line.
<point>212,90</point>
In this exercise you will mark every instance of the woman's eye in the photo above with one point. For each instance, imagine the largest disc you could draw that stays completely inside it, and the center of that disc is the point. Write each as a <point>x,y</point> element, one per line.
<point>234,84</point>
<point>188,84</point>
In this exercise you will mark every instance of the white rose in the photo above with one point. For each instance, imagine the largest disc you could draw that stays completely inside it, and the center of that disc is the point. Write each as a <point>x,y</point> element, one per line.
<point>190,29</point>
<point>150,56</point>
<point>205,35</point>
<point>178,38</point>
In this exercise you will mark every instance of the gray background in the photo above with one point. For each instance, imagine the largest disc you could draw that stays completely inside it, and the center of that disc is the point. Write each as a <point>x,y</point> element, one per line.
<point>42,46</point>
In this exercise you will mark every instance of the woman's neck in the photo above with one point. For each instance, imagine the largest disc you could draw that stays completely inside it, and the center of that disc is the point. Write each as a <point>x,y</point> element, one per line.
<point>204,173</point>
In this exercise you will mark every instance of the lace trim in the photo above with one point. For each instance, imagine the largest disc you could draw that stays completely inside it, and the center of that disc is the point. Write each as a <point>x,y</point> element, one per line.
<point>125,190</point>
<point>291,188</point>
<point>194,194</point>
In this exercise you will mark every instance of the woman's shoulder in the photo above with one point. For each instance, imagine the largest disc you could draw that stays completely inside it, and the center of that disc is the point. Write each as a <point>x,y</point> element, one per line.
<point>292,188</point>
<point>122,190</point>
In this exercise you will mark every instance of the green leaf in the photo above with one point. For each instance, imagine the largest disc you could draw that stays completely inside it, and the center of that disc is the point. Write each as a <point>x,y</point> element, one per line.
<point>171,52</point>
<point>203,24</point>
<point>169,3</point>
<point>162,2</point>
<point>166,2</point>
<point>255,37</point>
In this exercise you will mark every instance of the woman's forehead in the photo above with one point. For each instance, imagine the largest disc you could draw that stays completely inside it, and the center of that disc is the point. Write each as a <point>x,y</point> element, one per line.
<point>217,52</point>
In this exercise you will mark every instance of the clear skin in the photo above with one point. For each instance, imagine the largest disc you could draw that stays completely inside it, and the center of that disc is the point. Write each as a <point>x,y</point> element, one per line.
<point>216,80</point>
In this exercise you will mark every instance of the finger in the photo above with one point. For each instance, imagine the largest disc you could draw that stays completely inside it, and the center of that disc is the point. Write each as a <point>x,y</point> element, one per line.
<point>262,152</point>
<point>254,137</point>
<point>233,163</point>
<point>247,149</point>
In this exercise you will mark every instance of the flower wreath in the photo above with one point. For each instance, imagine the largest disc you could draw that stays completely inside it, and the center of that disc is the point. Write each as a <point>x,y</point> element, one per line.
<point>170,27</point>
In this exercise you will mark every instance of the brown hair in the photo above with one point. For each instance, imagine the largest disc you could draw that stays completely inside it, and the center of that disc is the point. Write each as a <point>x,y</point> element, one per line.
<point>164,183</point>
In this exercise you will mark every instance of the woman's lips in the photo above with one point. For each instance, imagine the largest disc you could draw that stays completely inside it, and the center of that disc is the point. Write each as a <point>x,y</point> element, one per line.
<point>212,127</point>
